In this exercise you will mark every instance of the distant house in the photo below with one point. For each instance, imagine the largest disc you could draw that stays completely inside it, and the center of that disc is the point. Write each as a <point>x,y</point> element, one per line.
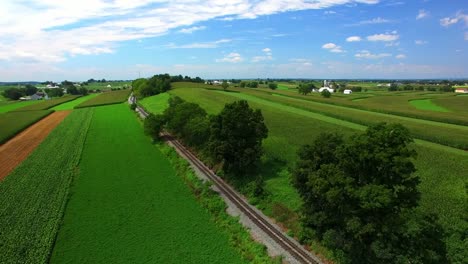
<point>461,90</point>
<point>347,91</point>
<point>109,86</point>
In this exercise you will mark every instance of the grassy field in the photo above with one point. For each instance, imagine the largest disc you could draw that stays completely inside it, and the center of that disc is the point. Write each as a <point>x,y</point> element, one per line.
<point>114,97</point>
<point>47,104</point>
<point>428,105</point>
<point>13,105</point>
<point>155,104</point>
<point>33,196</point>
<point>71,104</point>
<point>11,123</point>
<point>116,215</point>
<point>442,169</point>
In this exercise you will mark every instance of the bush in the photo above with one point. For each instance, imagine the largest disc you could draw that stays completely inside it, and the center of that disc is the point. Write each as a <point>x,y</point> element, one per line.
<point>153,125</point>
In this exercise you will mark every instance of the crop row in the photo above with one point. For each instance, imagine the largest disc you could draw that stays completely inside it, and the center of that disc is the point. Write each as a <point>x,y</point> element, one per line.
<point>11,123</point>
<point>33,196</point>
<point>106,98</point>
<point>128,206</point>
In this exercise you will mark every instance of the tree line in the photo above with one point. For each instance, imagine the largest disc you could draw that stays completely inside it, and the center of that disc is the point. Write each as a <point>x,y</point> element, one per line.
<point>231,139</point>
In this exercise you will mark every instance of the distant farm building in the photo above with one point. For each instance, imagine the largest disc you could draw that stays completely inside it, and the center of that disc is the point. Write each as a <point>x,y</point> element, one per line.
<point>36,96</point>
<point>347,91</point>
<point>109,86</point>
<point>326,86</point>
<point>461,90</point>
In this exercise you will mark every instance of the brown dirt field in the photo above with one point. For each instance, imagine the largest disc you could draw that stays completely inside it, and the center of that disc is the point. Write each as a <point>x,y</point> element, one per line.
<point>17,149</point>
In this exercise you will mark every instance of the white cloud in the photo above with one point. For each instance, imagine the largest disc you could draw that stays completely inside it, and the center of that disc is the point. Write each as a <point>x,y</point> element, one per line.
<point>199,45</point>
<point>232,57</point>
<point>353,39</point>
<point>420,42</point>
<point>422,14</point>
<point>190,30</point>
<point>364,54</point>
<point>384,37</point>
<point>56,30</point>
<point>466,35</point>
<point>332,47</point>
<point>330,12</point>
<point>377,20</point>
<point>400,56</point>
<point>459,17</point>
<point>268,56</point>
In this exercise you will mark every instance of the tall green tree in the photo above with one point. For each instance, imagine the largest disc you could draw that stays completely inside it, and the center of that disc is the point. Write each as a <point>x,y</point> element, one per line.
<point>225,85</point>
<point>236,136</point>
<point>360,196</point>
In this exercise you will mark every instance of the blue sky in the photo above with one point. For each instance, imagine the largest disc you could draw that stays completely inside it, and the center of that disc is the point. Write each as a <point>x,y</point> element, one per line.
<point>326,39</point>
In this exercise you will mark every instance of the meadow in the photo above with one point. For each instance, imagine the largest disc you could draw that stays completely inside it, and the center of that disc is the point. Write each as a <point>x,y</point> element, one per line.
<point>427,104</point>
<point>442,170</point>
<point>33,196</point>
<point>71,104</point>
<point>106,98</point>
<point>117,215</point>
<point>11,123</point>
<point>103,85</point>
<point>155,104</point>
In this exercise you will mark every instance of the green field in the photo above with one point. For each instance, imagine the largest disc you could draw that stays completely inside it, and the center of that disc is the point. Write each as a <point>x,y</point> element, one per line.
<point>428,105</point>
<point>11,123</point>
<point>155,104</point>
<point>70,105</point>
<point>103,86</point>
<point>438,132</point>
<point>47,104</point>
<point>128,206</point>
<point>10,106</point>
<point>442,169</point>
<point>106,98</point>
<point>33,196</point>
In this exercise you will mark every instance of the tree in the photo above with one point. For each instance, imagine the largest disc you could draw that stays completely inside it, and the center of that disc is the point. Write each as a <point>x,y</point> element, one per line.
<point>13,93</point>
<point>236,136</point>
<point>325,93</point>
<point>360,197</point>
<point>178,115</point>
<point>225,85</point>
<point>242,84</point>
<point>30,89</point>
<point>83,91</point>
<point>153,125</point>
<point>71,89</point>
<point>273,86</point>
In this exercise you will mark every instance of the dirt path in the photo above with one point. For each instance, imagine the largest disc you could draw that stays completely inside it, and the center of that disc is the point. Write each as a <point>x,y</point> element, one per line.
<point>17,149</point>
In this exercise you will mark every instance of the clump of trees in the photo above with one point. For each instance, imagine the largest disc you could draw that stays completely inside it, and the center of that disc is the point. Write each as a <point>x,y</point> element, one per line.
<point>159,84</point>
<point>361,195</point>
<point>231,139</point>
<point>253,84</point>
<point>326,93</point>
<point>305,88</point>
<point>273,86</point>
<point>16,93</point>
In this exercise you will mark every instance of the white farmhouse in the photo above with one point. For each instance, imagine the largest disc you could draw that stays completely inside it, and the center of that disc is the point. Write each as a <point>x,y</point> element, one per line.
<point>347,91</point>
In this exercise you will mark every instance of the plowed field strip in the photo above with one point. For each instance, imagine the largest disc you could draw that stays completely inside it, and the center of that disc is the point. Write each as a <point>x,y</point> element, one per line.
<point>13,152</point>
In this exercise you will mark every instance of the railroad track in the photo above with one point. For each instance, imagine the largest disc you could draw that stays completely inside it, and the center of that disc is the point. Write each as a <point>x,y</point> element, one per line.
<point>296,251</point>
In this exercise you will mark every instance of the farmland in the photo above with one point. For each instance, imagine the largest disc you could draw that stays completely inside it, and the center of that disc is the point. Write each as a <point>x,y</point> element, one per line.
<point>294,123</point>
<point>427,104</point>
<point>12,123</point>
<point>33,196</point>
<point>47,104</point>
<point>10,106</point>
<point>117,215</point>
<point>71,104</point>
<point>106,98</point>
